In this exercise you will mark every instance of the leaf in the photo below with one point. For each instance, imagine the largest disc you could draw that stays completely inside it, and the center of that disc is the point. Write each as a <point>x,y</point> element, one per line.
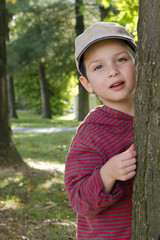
<point>30,187</point>
<point>61,194</point>
<point>82,9</point>
<point>105,3</point>
<point>61,147</point>
<point>50,204</point>
<point>12,1</point>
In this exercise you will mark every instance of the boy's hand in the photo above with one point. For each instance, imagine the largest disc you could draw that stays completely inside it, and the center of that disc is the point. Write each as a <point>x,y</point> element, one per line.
<point>120,167</point>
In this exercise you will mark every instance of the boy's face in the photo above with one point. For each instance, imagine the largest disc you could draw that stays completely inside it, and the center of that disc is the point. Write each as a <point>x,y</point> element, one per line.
<point>110,71</point>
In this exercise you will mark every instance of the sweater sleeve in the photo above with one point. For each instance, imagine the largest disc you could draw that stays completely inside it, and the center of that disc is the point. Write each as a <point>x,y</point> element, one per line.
<point>83,182</point>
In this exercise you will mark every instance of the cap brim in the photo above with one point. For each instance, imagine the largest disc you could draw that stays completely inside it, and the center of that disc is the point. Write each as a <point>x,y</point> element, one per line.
<point>129,41</point>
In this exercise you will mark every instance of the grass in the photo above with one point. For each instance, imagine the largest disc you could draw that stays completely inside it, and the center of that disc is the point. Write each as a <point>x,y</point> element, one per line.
<point>46,147</point>
<point>37,206</point>
<point>31,119</point>
<point>35,201</point>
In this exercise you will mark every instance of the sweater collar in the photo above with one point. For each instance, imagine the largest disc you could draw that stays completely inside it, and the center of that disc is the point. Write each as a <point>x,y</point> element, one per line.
<point>114,113</point>
<point>109,117</point>
<point>104,115</point>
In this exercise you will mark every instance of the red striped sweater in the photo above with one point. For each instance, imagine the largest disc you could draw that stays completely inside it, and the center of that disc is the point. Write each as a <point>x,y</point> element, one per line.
<point>104,133</point>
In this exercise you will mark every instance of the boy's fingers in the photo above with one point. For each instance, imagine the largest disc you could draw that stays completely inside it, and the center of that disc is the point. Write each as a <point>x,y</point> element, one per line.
<point>130,162</point>
<point>131,167</point>
<point>131,175</point>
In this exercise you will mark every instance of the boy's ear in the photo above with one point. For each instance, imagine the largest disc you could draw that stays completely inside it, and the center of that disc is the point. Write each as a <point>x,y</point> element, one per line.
<point>86,84</point>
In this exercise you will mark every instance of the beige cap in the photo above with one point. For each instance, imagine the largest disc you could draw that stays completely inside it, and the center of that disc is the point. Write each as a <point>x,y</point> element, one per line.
<point>100,31</point>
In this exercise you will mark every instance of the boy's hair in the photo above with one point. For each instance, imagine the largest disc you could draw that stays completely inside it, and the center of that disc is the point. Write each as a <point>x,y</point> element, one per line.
<point>82,67</point>
<point>96,32</point>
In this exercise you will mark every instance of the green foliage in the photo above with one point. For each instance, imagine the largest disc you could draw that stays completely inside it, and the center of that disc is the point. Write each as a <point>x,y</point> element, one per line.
<point>127,14</point>
<point>27,85</point>
<point>42,32</point>
<point>105,3</point>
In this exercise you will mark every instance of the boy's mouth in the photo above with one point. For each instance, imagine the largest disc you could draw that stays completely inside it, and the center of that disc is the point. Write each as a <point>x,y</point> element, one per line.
<point>116,84</point>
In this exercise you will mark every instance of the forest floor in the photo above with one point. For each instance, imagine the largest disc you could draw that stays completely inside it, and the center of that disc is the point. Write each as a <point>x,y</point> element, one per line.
<point>34,204</point>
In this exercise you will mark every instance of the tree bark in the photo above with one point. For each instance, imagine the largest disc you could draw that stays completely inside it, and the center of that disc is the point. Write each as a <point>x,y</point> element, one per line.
<point>146,195</point>
<point>46,108</point>
<point>8,153</point>
<point>11,97</point>
<point>83,94</point>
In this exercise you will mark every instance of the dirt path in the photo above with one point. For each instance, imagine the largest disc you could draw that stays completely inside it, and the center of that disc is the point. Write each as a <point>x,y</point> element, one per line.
<point>43,129</point>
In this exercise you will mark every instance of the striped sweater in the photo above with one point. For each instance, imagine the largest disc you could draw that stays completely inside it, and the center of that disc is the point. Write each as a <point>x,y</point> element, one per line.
<point>105,132</point>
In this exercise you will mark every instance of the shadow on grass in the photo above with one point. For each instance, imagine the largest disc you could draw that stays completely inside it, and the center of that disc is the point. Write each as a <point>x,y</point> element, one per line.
<point>34,205</point>
<point>51,147</point>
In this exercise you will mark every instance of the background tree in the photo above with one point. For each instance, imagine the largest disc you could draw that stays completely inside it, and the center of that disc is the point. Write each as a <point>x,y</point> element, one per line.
<point>44,90</point>
<point>11,97</point>
<point>146,212</point>
<point>83,94</point>
<point>42,33</point>
<point>10,79</point>
<point>8,153</point>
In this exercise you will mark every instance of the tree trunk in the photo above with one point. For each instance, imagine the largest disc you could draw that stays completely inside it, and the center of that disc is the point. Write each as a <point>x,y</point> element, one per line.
<point>11,97</point>
<point>83,94</point>
<point>105,11</point>
<point>46,108</point>
<point>146,196</point>
<point>8,153</point>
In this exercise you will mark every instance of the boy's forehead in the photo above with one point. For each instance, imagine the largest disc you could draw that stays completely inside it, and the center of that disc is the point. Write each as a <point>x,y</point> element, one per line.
<point>120,44</point>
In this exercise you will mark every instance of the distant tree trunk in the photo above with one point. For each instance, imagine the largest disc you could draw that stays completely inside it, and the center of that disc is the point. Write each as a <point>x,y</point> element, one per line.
<point>46,108</point>
<point>9,157</point>
<point>83,94</point>
<point>105,11</point>
<point>11,97</point>
<point>146,197</point>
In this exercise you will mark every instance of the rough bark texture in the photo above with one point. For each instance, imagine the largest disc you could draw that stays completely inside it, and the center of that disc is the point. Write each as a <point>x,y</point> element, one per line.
<point>46,108</point>
<point>11,97</point>
<point>146,197</point>
<point>83,94</point>
<point>8,153</point>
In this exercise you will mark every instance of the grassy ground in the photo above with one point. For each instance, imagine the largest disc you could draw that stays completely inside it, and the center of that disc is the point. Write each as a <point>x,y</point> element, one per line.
<point>36,206</point>
<point>30,119</point>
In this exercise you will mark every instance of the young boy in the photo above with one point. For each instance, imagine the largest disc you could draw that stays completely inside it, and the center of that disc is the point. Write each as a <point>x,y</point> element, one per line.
<point>101,162</point>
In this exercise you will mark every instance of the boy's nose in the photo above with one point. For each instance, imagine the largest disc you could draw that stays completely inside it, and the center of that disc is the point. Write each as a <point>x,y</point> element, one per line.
<point>113,71</point>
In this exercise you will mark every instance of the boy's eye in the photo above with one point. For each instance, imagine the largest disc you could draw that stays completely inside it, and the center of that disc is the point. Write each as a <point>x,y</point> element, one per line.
<point>122,59</point>
<point>98,67</point>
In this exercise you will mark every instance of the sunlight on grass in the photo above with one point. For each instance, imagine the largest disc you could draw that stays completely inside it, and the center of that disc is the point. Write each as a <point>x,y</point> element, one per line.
<point>31,119</point>
<point>46,166</point>
<point>36,200</point>
<point>6,181</point>
<point>11,203</point>
<point>51,147</point>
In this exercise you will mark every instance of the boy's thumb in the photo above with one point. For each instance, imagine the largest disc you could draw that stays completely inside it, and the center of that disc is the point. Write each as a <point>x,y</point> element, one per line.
<point>130,148</point>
